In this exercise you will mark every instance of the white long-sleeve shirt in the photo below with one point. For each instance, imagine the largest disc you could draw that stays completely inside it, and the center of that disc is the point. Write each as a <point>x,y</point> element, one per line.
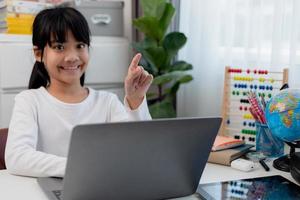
<point>41,125</point>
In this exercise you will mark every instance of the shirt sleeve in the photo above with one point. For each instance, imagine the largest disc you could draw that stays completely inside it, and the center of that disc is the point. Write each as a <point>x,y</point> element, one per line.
<point>141,113</point>
<point>21,156</point>
<point>120,112</point>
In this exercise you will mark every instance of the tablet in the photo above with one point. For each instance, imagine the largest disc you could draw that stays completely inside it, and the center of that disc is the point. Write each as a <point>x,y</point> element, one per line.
<point>271,187</point>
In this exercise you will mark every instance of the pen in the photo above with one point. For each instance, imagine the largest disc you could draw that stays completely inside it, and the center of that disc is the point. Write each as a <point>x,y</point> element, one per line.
<point>263,102</point>
<point>264,165</point>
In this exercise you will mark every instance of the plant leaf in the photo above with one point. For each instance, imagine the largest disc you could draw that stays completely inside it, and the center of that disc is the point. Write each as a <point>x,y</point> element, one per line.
<point>173,42</point>
<point>153,8</point>
<point>156,56</point>
<point>166,17</point>
<point>150,27</point>
<point>151,95</point>
<point>186,78</point>
<point>163,109</point>
<point>175,76</point>
<point>181,66</point>
<point>174,88</point>
<point>140,47</point>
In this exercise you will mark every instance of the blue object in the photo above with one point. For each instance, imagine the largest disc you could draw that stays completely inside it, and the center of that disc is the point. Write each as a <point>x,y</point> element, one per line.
<point>283,115</point>
<point>266,143</point>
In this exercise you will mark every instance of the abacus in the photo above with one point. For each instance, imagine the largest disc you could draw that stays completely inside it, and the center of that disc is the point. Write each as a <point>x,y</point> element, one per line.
<point>237,119</point>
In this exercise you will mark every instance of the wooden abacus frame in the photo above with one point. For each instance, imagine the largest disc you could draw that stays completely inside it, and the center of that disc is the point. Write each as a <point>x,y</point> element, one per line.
<point>227,91</point>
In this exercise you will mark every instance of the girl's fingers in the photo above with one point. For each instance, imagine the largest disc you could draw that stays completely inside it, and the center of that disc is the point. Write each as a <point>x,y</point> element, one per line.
<point>134,62</point>
<point>147,81</point>
<point>133,75</point>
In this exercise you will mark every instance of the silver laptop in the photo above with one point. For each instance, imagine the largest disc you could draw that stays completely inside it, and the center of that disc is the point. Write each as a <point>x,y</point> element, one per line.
<point>157,159</point>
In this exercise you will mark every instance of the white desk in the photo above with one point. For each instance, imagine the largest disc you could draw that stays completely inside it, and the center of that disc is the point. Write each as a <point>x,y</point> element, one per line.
<point>17,187</point>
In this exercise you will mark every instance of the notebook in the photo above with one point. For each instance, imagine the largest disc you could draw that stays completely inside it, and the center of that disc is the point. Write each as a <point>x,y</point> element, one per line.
<point>226,142</point>
<point>225,157</point>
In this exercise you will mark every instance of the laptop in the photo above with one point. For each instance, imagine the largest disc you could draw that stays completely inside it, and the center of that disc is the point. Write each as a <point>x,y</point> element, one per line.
<point>156,159</point>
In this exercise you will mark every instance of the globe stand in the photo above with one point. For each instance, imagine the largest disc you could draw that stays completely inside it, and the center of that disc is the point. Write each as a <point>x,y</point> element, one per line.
<point>283,163</point>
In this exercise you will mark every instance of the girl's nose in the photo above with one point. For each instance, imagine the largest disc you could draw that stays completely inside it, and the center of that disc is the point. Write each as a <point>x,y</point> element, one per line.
<point>71,56</point>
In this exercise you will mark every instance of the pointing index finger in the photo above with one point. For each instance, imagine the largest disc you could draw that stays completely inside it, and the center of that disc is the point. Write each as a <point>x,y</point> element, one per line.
<point>135,61</point>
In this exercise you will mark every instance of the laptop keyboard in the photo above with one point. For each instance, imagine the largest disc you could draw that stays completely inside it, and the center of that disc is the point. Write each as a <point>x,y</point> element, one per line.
<point>57,193</point>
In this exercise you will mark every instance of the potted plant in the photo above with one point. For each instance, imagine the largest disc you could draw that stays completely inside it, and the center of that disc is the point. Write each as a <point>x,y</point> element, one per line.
<point>159,49</point>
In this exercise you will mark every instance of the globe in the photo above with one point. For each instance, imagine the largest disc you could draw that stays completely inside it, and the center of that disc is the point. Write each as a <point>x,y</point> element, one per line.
<point>283,115</point>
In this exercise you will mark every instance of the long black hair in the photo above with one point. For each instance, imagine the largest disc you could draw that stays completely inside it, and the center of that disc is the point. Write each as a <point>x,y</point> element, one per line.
<point>55,22</point>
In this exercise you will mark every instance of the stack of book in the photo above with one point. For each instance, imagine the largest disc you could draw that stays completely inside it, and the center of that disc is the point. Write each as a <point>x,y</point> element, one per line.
<point>227,149</point>
<point>20,15</point>
<point>2,16</point>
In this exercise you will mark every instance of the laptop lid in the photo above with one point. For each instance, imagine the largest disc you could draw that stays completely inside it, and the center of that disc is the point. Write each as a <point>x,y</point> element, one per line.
<point>155,159</point>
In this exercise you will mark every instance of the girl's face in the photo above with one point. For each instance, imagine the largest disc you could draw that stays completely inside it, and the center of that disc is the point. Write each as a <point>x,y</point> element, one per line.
<point>66,62</point>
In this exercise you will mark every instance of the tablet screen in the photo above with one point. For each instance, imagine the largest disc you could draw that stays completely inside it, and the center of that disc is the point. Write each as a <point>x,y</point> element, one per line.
<point>272,187</point>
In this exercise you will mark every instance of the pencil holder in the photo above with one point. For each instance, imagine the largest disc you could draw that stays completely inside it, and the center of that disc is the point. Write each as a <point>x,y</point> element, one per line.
<point>266,143</point>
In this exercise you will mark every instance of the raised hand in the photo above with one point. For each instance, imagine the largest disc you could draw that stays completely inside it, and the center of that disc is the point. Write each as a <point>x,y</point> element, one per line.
<point>137,82</point>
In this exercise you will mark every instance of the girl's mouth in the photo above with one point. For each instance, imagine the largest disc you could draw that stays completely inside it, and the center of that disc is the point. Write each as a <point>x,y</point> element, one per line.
<point>69,68</point>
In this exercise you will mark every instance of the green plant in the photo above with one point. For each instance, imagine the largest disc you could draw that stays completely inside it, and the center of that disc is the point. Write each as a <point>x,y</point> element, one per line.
<point>159,49</point>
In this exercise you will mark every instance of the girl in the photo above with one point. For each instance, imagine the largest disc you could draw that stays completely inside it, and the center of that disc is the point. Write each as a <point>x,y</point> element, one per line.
<point>44,115</point>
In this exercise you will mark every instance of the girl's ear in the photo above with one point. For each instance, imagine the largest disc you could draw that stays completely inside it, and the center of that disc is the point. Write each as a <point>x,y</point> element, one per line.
<point>37,53</point>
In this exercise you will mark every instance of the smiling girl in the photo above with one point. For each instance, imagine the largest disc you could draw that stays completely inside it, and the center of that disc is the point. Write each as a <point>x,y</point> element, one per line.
<point>57,100</point>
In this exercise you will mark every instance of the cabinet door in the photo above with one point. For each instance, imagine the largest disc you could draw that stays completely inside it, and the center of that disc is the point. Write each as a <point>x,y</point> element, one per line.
<point>108,62</point>
<point>16,62</point>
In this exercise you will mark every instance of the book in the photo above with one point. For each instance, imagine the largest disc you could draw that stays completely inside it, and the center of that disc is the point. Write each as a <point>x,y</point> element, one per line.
<point>224,157</point>
<point>226,142</point>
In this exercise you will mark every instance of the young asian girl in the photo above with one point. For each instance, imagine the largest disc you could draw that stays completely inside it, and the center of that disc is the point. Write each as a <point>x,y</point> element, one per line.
<point>57,100</point>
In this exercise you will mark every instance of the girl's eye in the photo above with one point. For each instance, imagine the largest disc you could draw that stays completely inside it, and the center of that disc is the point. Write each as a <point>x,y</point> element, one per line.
<point>81,46</point>
<point>58,47</point>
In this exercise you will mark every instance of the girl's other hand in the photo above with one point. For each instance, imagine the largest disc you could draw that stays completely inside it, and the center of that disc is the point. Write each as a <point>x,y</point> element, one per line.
<point>137,83</point>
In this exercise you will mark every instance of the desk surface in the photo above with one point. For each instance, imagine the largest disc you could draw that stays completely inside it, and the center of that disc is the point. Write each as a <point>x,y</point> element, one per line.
<point>17,187</point>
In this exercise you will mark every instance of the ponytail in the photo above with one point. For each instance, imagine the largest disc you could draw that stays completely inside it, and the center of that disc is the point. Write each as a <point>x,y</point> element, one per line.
<point>39,76</point>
